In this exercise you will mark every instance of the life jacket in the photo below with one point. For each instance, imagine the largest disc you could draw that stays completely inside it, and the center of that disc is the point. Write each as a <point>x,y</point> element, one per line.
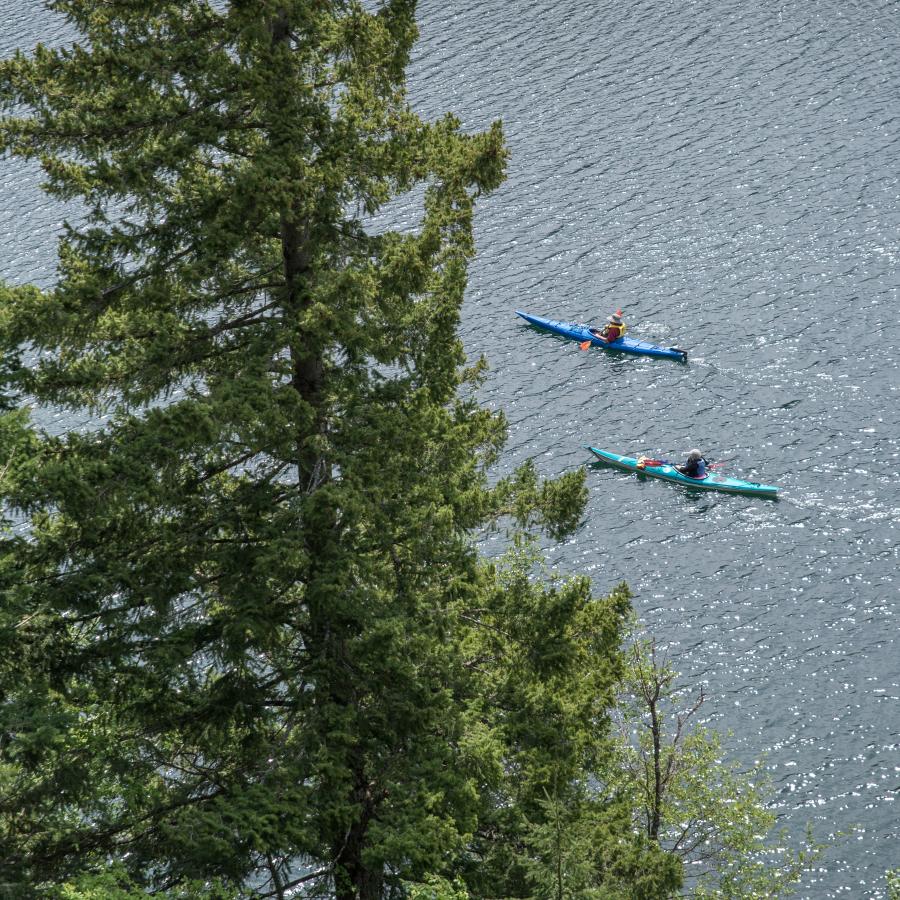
<point>699,472</point>
<point>613,332</point>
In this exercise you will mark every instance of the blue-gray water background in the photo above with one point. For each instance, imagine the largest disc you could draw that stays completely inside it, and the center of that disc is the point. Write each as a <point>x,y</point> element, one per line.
<point>728,174</point>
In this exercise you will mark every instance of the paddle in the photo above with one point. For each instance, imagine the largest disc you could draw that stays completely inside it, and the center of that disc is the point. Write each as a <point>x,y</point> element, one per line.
<point>647,461</point>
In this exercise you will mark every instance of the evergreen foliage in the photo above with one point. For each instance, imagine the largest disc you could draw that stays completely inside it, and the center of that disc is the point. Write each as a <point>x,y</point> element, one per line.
<point>248,643</point>
<point>545,827</point>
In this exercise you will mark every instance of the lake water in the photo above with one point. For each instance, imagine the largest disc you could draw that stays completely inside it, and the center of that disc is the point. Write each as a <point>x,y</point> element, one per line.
<point>729,175</point>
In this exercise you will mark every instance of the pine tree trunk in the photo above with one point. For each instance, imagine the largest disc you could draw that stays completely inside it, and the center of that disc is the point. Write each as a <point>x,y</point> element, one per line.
<point>354,880</point>
<point>308,363</point>
<point>307,360</point>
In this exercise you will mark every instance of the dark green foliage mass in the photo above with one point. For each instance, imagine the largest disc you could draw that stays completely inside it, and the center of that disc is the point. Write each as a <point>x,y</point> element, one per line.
<point>248,645</point>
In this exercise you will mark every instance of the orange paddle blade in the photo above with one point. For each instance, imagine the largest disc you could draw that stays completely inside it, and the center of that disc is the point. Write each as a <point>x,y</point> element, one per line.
<point>584,345</point>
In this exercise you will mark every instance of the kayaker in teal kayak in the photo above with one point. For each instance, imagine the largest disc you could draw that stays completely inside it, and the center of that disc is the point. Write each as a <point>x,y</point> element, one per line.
<point>694,466</point>
<point>614,329</point>
<point>659,468</point>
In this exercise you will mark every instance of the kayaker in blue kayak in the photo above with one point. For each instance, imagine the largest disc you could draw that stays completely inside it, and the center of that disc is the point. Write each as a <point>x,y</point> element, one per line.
<point>614,329</point>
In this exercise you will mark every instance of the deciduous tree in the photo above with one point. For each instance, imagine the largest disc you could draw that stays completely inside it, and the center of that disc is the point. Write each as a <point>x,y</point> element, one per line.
<point>689,798</point>
<point>893,884</point>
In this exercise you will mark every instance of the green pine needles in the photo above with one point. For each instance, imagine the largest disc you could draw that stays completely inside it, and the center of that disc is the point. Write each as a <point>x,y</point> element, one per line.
<point>248,642</point>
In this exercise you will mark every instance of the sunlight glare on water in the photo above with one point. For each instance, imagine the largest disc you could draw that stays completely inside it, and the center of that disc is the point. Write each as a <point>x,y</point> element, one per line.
<point>728,175</point>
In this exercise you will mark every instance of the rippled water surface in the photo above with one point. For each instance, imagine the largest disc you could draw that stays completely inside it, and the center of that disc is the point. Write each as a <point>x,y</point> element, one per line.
<point>729,175</point>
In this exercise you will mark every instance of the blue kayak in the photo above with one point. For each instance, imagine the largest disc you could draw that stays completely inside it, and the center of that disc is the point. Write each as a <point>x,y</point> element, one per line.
<point>711,482</point>
<point>623,345</point>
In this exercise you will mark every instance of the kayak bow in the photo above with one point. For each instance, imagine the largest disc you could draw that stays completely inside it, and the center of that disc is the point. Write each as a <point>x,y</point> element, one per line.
<point>582,333</point>
<point>667,472</point>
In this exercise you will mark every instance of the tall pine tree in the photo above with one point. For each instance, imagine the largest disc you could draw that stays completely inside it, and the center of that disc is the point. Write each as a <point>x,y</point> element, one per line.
<point>247,639</point>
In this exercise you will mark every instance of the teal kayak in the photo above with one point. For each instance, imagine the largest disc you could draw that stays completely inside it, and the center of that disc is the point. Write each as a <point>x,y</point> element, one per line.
<point>666,472</point>
<point>582,333</point>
